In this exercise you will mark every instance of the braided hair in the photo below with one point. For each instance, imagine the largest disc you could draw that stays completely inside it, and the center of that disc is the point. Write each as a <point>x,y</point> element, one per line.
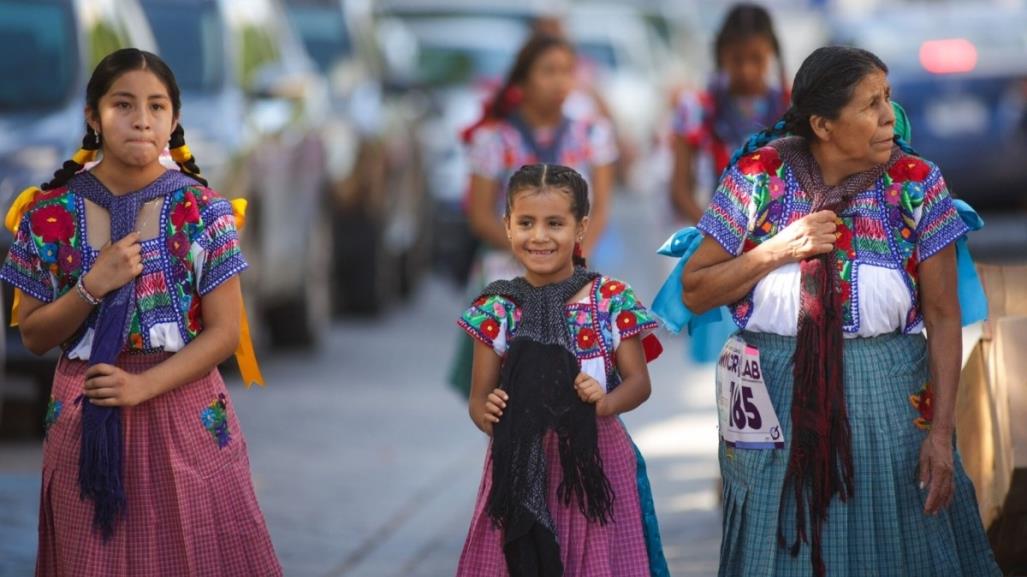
<point>823,86</point>
<point>104,75</point>
<point>539,177</point>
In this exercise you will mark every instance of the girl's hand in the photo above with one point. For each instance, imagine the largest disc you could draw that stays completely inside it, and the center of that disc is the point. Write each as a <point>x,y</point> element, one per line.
<point>591,392</point>
<point>117,264</point>
<point>937,471</point>
<point>811,235</point>
<point>109,386</point>
<point>494,406</point>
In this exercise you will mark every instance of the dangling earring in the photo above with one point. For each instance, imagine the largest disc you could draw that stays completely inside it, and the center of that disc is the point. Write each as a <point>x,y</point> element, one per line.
<point>96,138</point>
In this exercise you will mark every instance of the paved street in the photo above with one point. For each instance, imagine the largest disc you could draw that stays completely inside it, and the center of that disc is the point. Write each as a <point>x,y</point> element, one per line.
<point>366,464</point>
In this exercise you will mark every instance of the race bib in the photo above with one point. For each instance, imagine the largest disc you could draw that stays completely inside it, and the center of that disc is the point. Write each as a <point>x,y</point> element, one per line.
<point>747,417</point>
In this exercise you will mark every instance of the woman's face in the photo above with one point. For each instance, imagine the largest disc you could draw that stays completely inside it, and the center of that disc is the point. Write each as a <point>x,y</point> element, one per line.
<point>550,80</point>
<point>863,131</point>
<point>135,118</point>
<point>543,230</point>
<point>746,63</point>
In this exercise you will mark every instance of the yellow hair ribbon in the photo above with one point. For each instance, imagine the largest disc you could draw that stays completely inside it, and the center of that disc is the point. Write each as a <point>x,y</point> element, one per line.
<point>21,205</point>
<point>245,356</point>
<point>83,156</point>
<point>14,307</point>
<point>182,154</point>
<point>239,211</point>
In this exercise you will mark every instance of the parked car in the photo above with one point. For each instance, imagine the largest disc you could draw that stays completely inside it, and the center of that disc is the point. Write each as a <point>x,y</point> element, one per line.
<point>381,225</point>
<point>256,114</point>
<point>51,49</point>
<point>961,75</point>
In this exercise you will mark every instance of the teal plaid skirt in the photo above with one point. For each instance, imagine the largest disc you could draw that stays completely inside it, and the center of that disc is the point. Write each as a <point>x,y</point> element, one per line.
<point>881,531</point>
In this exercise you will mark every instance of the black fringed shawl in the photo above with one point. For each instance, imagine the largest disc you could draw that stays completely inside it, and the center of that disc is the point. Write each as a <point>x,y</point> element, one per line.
<point>538,373</point>
<point>820,463</point>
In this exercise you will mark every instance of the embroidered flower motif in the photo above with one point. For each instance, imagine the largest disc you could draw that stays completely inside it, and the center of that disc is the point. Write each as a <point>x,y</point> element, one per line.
<point>136,341</point>
<point>909,168</point>
<point>53,223</point>
<point>480,301</point>
<point>178,244</point>
<point>49,253</point>
<point>611,289</point>
<point>765,160</point>
<point>893,195</point>
<point>498,309</point>
<point>490,328</point>
<point>186,212</point>
<point>743,309</point>
<point>626,320</point>
<point>923,402</point>
<point>195,317</point>
<point>586,339</point>
<point>53,411</point>
<point>215,419</point>
<point>777,187</point>
<point>70,259</point>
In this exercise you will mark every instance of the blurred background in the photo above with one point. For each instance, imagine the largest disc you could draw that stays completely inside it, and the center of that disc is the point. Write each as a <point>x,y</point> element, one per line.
<point>340,121</point>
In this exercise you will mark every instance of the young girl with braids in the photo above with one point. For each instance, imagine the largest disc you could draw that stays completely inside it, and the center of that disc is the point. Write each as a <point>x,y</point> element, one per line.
<point>559,353</point>
<point>133,271</point>
<point>525,124</point>
<point>710,125</point>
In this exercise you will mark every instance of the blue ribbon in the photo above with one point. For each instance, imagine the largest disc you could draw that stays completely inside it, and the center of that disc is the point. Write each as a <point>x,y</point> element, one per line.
<point>973,303</point>
<point>669,304</point>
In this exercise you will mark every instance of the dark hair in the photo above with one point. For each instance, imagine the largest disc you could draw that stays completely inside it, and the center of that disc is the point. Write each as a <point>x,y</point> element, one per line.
<point>538,177</point>
<point>507,98</point>
<point>823,86</point>
<point>104,75</point>
<point>745,21</point>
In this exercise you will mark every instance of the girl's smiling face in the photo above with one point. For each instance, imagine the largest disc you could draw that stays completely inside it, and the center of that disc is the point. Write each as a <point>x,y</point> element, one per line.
<point>543,230</point>
<point>135,118</point>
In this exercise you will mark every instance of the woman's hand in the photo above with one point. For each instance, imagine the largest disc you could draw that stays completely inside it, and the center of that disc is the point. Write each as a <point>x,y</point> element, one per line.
<point>591,392</point>
<point>809,236</point>
<point>937,471</point>
<point>117,264</point>
<point>492,411</point>
<point>109,386</point>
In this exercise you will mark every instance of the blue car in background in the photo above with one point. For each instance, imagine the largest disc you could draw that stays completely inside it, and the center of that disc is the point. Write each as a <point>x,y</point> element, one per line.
<point>960,71</point>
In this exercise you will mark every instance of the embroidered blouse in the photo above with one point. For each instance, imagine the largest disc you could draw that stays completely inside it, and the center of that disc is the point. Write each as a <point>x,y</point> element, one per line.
<point>598,323</point>
<point>905,218</point>
<point>497,149</point>
<point>196,251</point>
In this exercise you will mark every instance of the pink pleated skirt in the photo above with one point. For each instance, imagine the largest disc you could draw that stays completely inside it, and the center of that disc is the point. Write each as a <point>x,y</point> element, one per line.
<point>191,509</point>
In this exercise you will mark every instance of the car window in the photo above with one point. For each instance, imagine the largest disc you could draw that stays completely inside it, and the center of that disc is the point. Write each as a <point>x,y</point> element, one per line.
<point>40,60</point>
<point>324,33</point>
<point>191,42</point>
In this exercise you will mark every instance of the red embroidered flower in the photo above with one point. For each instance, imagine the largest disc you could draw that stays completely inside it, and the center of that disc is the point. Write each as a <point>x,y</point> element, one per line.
<point>68,258</point>
<point>185,212</point>
<point>765,160</point>
<point>195,316</point>
<point>626,320</point>
<point>923,402</point>
<point>490,328</point>
<point>844,240</point>
<point>53,223</point>
<point>480,301</point>
<point>137,341</point>
<point>178,244</point>
<point>586,339</point>
<point>611,289</point>
<point>909,168</point>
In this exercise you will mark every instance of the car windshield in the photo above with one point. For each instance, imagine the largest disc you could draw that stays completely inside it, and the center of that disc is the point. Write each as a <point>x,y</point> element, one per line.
<point>39,66</point>
<point>324,33</point>
<point>191,42</point>
<point>456,51</point>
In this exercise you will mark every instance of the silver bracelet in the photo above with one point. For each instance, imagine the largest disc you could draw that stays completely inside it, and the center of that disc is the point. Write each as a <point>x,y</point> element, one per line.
<point>80,288</point>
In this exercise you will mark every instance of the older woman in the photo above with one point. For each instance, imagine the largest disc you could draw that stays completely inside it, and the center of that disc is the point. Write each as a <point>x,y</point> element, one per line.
<point>834,251</point>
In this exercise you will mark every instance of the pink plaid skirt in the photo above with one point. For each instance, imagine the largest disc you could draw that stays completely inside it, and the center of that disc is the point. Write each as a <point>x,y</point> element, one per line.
<point>190,510</point>
<point>587,549</point>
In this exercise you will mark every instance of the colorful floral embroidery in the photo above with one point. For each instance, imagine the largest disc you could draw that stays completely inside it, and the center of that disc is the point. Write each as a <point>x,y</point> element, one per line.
<point>53,412</point>
<point>215,419</point>
<point>923,402</point>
